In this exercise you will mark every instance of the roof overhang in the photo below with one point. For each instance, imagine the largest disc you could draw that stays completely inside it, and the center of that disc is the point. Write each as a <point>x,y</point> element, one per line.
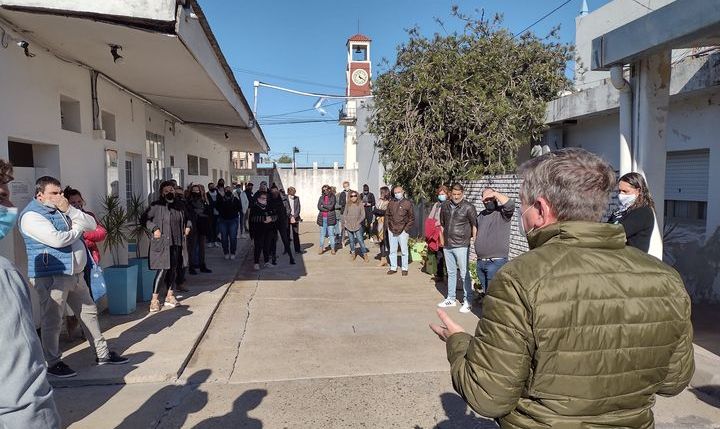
<point>171,58</point>
<point>680,24</point>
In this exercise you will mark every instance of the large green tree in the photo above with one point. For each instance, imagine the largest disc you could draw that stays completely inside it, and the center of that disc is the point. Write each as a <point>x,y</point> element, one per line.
<point>458,106</point>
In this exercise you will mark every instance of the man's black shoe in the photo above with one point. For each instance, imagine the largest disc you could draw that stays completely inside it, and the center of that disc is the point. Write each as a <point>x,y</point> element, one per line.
<point>205,270</point>
<point>60,370</point>
<point>405,273</point>
<point>192,271</point>
<point>391,272</point>
<point>292,262</point>
<point>112,359</point>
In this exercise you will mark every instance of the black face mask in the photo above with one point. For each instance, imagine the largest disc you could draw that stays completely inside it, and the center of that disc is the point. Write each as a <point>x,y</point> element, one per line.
<point>491,205</point>
<point>169,197</point>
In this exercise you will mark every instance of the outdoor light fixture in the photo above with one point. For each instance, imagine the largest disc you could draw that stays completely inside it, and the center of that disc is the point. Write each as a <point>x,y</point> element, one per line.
<point>117,58</point>
<point>227,136</point>
<point>26,48</point>
<point>318,106</point>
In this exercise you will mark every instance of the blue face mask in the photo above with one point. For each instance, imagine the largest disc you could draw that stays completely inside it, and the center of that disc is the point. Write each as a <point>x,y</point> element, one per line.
<point>442,198</point>
<point>8,216</point>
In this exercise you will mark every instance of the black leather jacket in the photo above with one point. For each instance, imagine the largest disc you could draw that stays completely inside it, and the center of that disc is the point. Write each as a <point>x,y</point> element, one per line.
<point>458,223</point>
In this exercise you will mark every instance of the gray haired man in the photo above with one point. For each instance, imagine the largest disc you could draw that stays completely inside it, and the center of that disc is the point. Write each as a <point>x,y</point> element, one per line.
<point>582,330</point>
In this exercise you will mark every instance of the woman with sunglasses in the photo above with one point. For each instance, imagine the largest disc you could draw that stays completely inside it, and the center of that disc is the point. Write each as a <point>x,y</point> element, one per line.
<point>353,218</point>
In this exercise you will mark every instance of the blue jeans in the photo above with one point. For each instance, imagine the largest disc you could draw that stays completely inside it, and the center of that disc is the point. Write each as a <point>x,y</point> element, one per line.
<point>402,240</point>
<point>457,259</point>
<point>486,269</point>
<point>228,235</point>
<point>326,230</point>
<point>357,236</point>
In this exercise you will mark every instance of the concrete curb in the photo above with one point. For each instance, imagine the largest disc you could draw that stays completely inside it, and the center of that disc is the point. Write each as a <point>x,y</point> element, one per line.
<point>208,321</point>
<point>707,368</point>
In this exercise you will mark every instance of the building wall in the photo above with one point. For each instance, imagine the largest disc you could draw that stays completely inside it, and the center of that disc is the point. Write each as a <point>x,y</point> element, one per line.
<point>370,169</point>
<point>608,17</point>
<point>30,113</point>
<point>309,182</point>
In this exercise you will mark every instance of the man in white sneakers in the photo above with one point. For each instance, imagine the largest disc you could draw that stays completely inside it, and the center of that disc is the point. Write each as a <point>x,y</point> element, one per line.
<point>458,220</point>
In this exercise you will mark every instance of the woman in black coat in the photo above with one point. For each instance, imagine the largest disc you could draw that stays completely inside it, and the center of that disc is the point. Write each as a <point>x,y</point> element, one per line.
<point>636,213</point>
<point>326,218</point>
<point>199,214</point>
<point>262,218</point>
<point>168,224</point>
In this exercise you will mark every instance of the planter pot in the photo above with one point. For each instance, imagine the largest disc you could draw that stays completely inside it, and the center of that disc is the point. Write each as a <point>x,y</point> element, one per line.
<point>145,279</point>
<point>416,251</point>
<point>121,281</point>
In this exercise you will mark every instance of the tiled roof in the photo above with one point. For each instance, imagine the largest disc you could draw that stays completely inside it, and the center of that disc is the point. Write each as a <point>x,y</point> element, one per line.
<point>359,38</point>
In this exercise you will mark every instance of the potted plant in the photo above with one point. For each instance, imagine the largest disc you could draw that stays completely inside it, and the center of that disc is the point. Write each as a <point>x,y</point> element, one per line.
<point>121,280</point>
<point>418,248</point>
<point>138,231</point>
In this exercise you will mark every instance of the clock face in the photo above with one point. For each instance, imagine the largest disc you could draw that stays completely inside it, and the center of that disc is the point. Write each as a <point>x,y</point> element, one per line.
<point>360,77</point>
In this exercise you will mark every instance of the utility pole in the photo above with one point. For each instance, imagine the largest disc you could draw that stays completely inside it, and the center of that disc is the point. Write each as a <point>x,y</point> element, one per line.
<point>295,150</point>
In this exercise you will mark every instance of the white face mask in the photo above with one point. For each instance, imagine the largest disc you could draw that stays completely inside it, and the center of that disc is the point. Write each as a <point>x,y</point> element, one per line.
<point>626,200</point>
<point>521,223</point>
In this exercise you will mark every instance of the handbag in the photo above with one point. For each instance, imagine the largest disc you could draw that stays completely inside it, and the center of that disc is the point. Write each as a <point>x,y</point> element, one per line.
<point>98,289</point>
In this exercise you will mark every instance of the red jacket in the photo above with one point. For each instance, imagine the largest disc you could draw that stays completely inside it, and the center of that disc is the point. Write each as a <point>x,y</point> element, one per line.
<point>91,239</point>
<point>432,234</point>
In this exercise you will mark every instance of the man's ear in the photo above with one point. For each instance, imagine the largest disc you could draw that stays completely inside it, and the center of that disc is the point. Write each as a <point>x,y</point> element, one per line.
<point>545,211</point>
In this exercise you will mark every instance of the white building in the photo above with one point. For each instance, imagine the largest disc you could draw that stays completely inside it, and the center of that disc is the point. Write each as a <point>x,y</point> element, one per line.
<point>112,97</point>
<point>672,142</point>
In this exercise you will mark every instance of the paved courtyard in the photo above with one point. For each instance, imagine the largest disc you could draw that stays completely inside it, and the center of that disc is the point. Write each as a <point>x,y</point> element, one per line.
<point>327,343</point>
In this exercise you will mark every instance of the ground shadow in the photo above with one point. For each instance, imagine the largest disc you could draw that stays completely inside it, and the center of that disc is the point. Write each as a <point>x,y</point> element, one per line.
<point>170,401</point>
<point>238,417</point>
<point>460,416</point>
<point>709,394</point>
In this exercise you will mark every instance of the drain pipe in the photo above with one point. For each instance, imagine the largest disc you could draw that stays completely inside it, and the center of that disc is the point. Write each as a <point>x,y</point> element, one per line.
<point>627,149</point>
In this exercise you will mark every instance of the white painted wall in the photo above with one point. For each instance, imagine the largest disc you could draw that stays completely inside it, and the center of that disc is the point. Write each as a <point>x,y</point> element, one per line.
<point>161,10</point>
<point>608,17</point>
<point>30,113</point>
<point>309,182</point>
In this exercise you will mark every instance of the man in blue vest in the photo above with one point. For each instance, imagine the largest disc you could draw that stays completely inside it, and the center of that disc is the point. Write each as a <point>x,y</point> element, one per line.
<point>57,256</point>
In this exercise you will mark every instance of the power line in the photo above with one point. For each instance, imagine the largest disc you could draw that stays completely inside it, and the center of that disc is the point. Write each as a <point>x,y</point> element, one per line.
<point>288,79</point>
<point>298,111</point>
<point>299,122</point>
<point>542,18</point>
<point>644,5</point>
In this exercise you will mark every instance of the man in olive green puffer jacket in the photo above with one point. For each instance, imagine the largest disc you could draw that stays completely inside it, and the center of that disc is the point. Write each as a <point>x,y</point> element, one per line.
<point>581,331</point>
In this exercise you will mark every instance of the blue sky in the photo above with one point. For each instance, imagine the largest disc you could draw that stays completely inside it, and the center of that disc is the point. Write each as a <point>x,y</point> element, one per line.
<point>274,40</point>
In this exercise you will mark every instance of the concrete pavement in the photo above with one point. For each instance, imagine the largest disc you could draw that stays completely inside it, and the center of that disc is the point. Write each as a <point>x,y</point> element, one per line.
<point>327,343</point>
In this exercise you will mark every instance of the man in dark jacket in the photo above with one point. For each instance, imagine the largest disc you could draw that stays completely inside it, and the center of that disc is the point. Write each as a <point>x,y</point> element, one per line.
<point>459,226</point>
<point>281,207</point>
<point>229,207</point>
<point>368,200</point>
<point>400,218</point>
<point>581,331</point>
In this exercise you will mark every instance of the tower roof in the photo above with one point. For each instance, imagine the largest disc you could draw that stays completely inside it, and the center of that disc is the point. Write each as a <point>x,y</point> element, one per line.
<point>359,38</point>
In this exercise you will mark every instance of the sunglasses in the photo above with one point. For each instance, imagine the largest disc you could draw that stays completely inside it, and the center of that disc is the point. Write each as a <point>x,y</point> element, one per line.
<point>353,196</point>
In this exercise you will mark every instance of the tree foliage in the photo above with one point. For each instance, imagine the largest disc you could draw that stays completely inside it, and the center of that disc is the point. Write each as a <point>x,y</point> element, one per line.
<point>458,106</point>
<point>284,159</point>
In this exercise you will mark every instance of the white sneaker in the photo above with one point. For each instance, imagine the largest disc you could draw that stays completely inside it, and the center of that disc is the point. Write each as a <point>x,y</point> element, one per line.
<point>268,265</point>
<point>256,267</point>
<point>466,307</point>
<point>227,256</point>
<point>232,256</point>
<point>447,303</point>
<point>218,244</point>
<point>209,245</point>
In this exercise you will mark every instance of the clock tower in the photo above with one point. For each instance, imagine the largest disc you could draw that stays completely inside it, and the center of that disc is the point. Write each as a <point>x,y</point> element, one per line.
<point>358,77</point>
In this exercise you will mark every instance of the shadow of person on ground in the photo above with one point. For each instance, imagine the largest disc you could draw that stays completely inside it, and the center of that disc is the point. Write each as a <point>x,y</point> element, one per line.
<point>171,404</point>
<point>459,416</point>
<point>238,417</point>
<point>709,394</point>
<point>67,402</point>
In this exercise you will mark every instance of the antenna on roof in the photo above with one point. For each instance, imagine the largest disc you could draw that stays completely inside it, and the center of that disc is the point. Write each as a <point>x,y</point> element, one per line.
<point>358,26</point>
